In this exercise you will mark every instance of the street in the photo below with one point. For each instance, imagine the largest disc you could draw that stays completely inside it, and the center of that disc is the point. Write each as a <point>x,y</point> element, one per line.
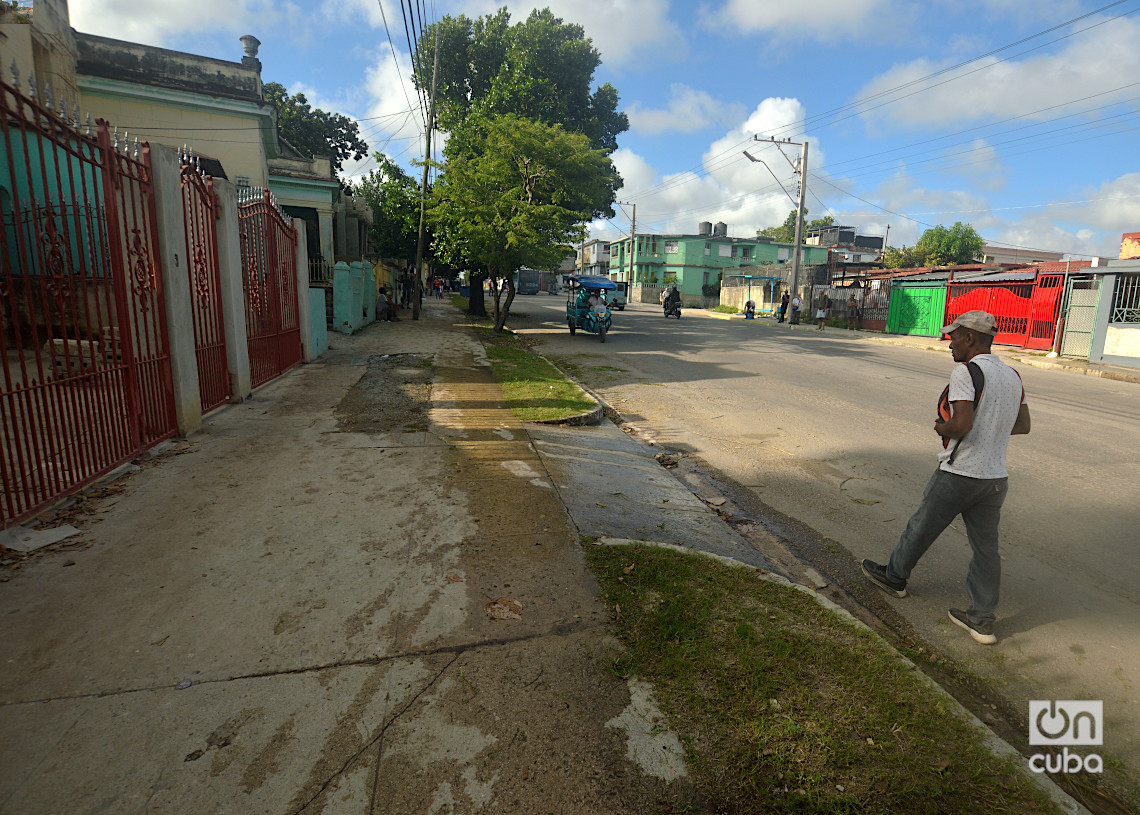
<point>834,429</point>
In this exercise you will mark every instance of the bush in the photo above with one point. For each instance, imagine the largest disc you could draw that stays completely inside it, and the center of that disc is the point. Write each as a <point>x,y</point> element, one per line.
<point>723,309</point>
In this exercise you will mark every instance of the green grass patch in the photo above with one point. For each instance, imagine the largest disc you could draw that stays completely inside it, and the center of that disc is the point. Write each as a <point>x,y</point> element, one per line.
<point>723,309</point>
<point>784,706</point>
<point>535,389</point>
<point>459,301</point>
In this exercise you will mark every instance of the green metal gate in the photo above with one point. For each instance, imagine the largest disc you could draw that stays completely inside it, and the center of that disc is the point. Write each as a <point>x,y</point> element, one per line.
<point>916,310</point>
<point>1083,297</point>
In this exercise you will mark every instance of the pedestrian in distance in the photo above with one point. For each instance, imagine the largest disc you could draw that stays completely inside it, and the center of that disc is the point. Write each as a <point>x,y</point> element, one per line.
<point>979,410</point>
<point>797,305</point>
<point>822,304</point>
<point>852,311</point>
<point>783,307</point>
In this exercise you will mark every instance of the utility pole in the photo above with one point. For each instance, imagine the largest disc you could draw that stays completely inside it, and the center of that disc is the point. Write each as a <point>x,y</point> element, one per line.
<point>417,289</point>
<point>632,241</point>
<point>797,250</point>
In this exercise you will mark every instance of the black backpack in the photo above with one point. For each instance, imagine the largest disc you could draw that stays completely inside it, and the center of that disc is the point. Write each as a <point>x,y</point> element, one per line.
<point>945,412</point>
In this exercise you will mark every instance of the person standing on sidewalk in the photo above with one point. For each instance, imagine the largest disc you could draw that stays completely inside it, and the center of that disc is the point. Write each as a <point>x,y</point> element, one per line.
<point>797,304</point>
<point>783,307</point>
<point>971,479</point>
<point>852,311</point>
<point>823,302</point>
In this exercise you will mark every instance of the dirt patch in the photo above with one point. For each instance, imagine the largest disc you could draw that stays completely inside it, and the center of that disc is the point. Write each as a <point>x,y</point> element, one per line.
<point>393,394</point>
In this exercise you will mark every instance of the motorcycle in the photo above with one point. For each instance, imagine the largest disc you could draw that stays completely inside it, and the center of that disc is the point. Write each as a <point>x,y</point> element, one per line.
<point>673,309</point>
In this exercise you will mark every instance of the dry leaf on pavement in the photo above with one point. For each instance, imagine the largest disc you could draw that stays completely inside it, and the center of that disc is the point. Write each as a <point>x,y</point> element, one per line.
<point>505,608</point>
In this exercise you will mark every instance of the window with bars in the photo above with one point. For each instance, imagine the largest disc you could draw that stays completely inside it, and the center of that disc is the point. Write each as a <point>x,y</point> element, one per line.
<point>671,247</point>
<point>1126,299</point>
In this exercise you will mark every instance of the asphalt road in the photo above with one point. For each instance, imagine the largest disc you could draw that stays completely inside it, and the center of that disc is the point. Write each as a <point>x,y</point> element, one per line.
<point>835,429</point>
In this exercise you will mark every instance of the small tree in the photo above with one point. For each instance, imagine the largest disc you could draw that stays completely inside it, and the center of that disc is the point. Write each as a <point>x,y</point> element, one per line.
<point>786,232</point>
<point>514,193</point>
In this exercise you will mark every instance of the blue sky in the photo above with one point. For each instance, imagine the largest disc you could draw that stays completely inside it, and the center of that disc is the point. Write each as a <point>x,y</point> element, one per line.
<point>1035,144</point>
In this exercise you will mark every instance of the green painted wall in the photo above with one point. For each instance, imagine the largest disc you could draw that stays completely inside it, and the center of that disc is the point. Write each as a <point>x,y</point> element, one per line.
<point>699,259</point>
<point>917,310</point>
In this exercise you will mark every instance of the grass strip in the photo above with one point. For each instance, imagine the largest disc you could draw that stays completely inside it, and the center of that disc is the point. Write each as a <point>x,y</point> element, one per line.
<point>784,706</point>
<point>535,390</point>
<point>723,309</point>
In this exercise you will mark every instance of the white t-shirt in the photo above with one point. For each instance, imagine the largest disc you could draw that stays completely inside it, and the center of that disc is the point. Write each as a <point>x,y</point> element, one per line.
<point>981,454</point>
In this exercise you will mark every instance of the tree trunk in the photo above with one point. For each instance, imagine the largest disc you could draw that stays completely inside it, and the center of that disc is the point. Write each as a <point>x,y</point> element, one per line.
<point>476,304</point>
<point>501,316</point>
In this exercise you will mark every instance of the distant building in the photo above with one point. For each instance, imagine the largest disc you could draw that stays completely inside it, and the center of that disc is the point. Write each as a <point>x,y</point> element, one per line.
<point>1005,254</point>
<point>593,258</point>
<point>1130,245</point>
<point>699,260</point>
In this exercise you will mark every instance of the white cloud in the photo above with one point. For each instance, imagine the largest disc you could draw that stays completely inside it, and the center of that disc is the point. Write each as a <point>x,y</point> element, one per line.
<point>151,22</point>
<point>688,111</point>
<point>979,163</point>
<point>827,20</point>
<point>1088,64</point>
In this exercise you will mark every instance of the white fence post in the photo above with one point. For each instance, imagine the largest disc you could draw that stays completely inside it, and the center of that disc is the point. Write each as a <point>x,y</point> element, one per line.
<point>178,300</point>
<point>232,293</point>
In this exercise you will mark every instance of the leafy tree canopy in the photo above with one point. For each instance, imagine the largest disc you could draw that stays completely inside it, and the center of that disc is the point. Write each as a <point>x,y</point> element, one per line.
<point>394,197</point>
<point>314,131</point>
<point>514,193</point>
<point>786,232</point>
<point>938,246</point>
<point>541,69</point>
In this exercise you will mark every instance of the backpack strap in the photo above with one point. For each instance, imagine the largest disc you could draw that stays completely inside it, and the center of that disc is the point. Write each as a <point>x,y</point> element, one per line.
<point>979,380</point>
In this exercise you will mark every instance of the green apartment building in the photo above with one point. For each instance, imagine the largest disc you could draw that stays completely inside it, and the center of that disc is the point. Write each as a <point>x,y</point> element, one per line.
<point>699,260</point>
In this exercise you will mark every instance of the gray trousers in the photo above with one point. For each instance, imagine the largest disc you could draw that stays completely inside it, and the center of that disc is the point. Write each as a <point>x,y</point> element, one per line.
<point>978,501</point>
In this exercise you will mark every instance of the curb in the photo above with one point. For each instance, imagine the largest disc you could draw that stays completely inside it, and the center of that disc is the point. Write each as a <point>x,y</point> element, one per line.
<point>1103,373</point>
<point>997,745</point>
<point>590,417</point>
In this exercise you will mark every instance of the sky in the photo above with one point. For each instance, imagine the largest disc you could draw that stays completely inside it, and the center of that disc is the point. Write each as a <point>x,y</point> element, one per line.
<point>1016,116</point>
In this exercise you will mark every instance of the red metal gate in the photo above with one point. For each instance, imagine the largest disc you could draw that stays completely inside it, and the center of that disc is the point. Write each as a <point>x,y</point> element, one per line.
<point>86,372</point>
<point>205,284</point>
<point>269,266</point>
<point>1026,311</point>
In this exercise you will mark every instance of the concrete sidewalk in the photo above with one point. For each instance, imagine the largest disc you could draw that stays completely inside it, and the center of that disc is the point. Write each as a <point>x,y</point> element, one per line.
<point>1036,359</point>
<point>357,592</point>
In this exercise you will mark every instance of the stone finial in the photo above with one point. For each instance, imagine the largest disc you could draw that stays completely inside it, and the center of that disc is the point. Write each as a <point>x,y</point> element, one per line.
<point>250,44</point>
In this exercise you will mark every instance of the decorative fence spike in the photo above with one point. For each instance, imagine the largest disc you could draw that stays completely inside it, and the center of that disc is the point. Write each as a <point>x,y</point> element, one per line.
<point>136,153</point>
<point>47,94</point>
<point>15,74</point>
<point>75,115</point>
<point>90,131</point>
<point>33,91</point>
<point>115,141</point>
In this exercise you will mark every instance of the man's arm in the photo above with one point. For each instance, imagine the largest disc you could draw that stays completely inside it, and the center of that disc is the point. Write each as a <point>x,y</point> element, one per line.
<point>1021,426</point>
<point>959,423</point>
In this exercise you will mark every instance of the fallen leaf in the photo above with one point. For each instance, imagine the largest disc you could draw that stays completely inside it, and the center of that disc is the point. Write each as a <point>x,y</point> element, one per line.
<point>628,568</point>
<point>942,765</point>
<point>505,608</point>
<point>454,578</point>
<point>870,741</point>
<point>603,506</point>
<point>864,501</point>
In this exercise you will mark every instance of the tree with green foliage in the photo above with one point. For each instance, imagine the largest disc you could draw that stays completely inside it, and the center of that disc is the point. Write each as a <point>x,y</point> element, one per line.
<point>514,193</point>
<point>786,232</point>
<point>541,69</point>
<point>938,246</point>
<point>314,131</point>
<point>394,197</point>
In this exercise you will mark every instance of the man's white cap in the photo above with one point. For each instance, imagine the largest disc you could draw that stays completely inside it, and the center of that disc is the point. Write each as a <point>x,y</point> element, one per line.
<point>981,321</point>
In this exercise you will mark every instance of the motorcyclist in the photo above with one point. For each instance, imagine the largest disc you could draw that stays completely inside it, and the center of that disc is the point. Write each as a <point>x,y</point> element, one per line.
<point>673,298</point>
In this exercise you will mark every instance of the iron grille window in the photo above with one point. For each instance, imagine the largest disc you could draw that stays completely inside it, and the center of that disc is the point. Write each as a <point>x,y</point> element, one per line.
<point>1126,299</point>
<point>671,247</point>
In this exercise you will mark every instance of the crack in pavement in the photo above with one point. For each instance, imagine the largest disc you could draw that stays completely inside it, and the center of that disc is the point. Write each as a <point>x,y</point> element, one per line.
<point>458,649</point>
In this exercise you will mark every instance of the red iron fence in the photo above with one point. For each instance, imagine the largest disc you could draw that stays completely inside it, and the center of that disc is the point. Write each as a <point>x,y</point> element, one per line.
<point>1026,310</point>
<point>83,348</point>
<point>200,213</point>
<point>269,266</point>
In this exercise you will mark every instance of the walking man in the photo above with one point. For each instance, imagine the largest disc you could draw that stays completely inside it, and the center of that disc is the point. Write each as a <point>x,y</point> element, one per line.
<point>984,405</point>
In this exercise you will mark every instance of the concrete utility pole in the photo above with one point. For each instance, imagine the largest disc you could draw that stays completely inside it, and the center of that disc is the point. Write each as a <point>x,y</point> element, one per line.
<point>797,250</point>
<point>632,241</point>
<point>417,290</point>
